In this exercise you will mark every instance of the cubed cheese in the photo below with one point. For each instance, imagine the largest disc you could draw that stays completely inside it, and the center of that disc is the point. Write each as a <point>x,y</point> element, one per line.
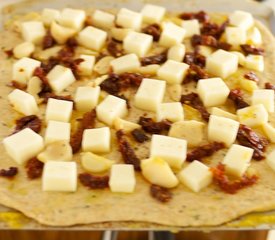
<point>126,126</point>
<point>111,108</point>
<point>152,13</point>
<point>59,110</point>
<point>60,78</point>
<point>86,98</point>
<point>191,27</point>
<point>138,43</point>
<point>254,62</point>
<point>237,159</point>
<point>23,102</point>
<point>157,171</point>
<point>176,52</point>
<point>92,38</point>
<point>97,140</point>
<point>23,69</point>
<point>222,63</point>
<point>60,33</point>
<point>57,131</point>
<point>126,63</point>
<point>221,129</point>
<point>23,145</point>
<point>172,150</point>
<point>235,36</point>
<point>265,97</point>
<point>270,160</point>
<point>170,111</point>
<point>241,19</point>
<point>120,33</point>
<point>150,94</point>
<point>221,113</point>
<point>86,67</point>
<point>269,131</point>
<point>253,116</point>
<point>192,131</point>
<point>254,36</point>
<point>72,18</point>
<point>33,31</point>
<point>171,34</point>
<point>95,163</point>
<point>196,176</point>
<point>241,57</point>
<point>173,72</point>
<point>122,178</point>
<point>50,15</point>
<point>212,91</point>
<point>129,19</point>
<point>59,176</point>
<point>103,20</point>
<point>24,49</point>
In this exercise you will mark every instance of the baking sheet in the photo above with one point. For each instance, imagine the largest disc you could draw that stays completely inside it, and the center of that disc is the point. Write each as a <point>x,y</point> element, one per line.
<point>10,219</point>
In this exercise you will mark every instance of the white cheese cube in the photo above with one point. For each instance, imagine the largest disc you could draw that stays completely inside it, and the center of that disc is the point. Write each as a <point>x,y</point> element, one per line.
<point>126,63</point>
<point>129,19</point>
<point>265,97</point>
<point>152,13</point>
<point>173,72</point>
<point>212,91</point>
<point>150,94</point>
<point>241,57</point>
<point>254,62</point>
<point>97,140</point>
<point>126,126</point>
<point>60,78</point>
<point>222,63</point>
<point>24,49</point>
<point>122,178</point>
<point>237,159</point>
<point>95,163</point>
<point>191,27</point>
<point>176,52</point>
<point>111,108</point>
<point>172,150</point>
<point>221,113</point>
<point>60,33</point>
<point>50,15</point>
<point>196,176</point>
<point>72,18</point>
<point>85,68</point>
<point>59,176</point>
<point>23,145</point>
<point>221,129</point>
<point>254,36</point>
<point>59,110</point>
<point>57,131</point>
<point>103,20</point>
<point>120,33</point>
<point>23,102</point>
<point>86,98</point>
<point>270,160</point>
<point>33,31</point>
<point>192,131</point>
<point>92,38</point>
<point>269,131</point>
<point>157,171</point>
<point>235,36</point>
<point>138,43</point>
<point>171,34</point>
<point>253,116</point>
<point>23,69</point>
<point>241,19</point>
<point>170,111</point>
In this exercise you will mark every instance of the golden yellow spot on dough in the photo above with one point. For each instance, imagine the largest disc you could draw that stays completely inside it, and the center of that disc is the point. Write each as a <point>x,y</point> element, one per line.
<point>12,219</point>
<point>254,220</point>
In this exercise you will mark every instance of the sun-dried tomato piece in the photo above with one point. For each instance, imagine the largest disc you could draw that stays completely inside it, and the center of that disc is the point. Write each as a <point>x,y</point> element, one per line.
<point>9,53</point>
<point>32,122</point>
<point>153,30</point>
<point>139,135</point>
<point>251,76</point>
<point>150,126</point>
<point>94,182</point>
<point>193,100</point>
<point>111,85</point>
<point>34,168</point>
<point>17,85</point>
<point>155,59</point>
<point>269,85</point>
<point>41,74</point>
<point>228,186</point>
<point>205,40</point>
<point>195,73</point>
<point>160,193</point>
<point>9,173</point>
<point>236,96</point>
<point>201,16</point>
<point>204,151</point>
<point>214,29</point>
<point>128,154</point>
<point>130,80</point>
<point>247,137</point>
<point>115,48</point>
<point>88,21</point>
<point>225,46</point>
<point>48,40</point>
<point>48,95</point>
<point>249,49</point>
